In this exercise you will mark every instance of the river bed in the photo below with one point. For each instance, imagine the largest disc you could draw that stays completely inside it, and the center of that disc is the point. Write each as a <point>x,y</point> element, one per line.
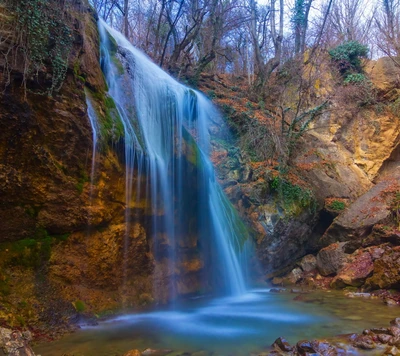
<point>233,326</point>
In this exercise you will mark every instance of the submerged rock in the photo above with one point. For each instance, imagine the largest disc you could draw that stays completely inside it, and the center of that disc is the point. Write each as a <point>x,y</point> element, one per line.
<point>282,344</point>
<point>15,343</point>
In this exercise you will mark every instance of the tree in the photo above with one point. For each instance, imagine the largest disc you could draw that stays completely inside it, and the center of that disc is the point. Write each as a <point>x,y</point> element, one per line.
<point>261,35</point>
<point>387,21</point>
<point>351,20</point>
<point>300,14</point>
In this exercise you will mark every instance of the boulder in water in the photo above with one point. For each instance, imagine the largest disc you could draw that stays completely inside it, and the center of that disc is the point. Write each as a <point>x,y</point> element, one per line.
<point>281,344</point>
<point>15,343</point>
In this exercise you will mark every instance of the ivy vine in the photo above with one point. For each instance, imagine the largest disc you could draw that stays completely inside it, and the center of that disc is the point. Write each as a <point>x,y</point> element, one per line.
<point>44,38</point>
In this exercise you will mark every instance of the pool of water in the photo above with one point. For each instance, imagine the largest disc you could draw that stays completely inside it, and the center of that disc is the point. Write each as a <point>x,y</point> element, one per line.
<point>233,326</point>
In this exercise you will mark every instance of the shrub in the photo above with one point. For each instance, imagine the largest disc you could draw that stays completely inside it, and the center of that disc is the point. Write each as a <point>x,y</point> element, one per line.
<point>355,78</point>
<point>337,205</point>
<point>347,56</point>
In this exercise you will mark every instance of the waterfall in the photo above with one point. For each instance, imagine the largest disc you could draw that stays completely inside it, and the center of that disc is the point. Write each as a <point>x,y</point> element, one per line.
<point>167,138</point>
<point>95,133</point>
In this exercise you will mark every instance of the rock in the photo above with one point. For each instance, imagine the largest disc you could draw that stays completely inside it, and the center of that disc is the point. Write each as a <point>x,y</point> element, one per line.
<point>386,270</point>
<point>385,339</point>
<point>152,352</point>
<point>294,276</point>
<point>133,353</point>
<point>15,343</point>
<point>357,221</point>
<point>355,272</point>
<point>324,348</point>
<point>305,347</point>
<point>390,302</point>
<point>277,281</point>
<point>330,259</point>
<point>308,263</point>
<point>358,295</point>
<point>381,331</point>
<point>394,330</point>
<point>281,344</point>
<point>365,342</point>
<point>392,351</point>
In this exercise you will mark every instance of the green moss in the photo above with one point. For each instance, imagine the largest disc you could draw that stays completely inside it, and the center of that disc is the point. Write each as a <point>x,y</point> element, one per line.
<point>110,122</point>
<point>29,253</point>
<point>337,205</point>
<point>84,178</point>
<point>293,198</point>
<point>79,306</point>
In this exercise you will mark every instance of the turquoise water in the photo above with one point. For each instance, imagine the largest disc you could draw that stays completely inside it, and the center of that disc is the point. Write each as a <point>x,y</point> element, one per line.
<point>228,326</point>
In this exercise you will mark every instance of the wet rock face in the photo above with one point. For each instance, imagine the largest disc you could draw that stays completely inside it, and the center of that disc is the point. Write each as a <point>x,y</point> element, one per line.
<point>45,142</point>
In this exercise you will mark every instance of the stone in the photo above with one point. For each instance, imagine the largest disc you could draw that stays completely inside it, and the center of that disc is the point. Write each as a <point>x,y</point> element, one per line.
<point>381,331</point>
<point>330,259</point>
<point>133,353</point>
<point>357,221</point>
<point>355,272</point>
<point>15,343</point>
<point>390,302</point>
<point>365,342</point>
<point>294,276</point>
<point>324,348</point>
<point>394,330</point>
<point>386,270</point>
<point>308,263</point>
<point>385,339</point>
<point>392,351</point>
<point>153,352</point>
<point>282,344</point>
<point>305,347</point>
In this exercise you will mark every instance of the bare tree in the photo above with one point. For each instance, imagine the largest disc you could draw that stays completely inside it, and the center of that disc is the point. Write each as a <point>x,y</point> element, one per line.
<point>351,20</point>
<point>387,20</point>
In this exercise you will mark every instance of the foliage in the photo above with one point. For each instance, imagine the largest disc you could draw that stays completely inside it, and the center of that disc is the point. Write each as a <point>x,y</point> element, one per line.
<point>79,306</point>
<point>44,38</point>
<point>32,252</point>
<point>347,56</point>
<point>337,205</point>
<point>355,78</point>
<point>110,122</point>
<point>256,139</point>
<point>292,197</point>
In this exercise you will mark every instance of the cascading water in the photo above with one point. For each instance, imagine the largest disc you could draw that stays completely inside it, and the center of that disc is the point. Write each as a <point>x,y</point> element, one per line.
<point>166,137</point>
<point>94,123</point>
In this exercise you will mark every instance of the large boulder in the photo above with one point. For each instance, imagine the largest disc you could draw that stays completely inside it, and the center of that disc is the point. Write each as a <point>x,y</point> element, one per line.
<point>355,272</point>
<point>308,263</point>
<point>386,271</point>
<point>330,259</point>
<point>357,221</point>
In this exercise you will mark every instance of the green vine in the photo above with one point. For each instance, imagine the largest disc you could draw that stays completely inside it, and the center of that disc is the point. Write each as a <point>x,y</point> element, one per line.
<point>44,38</point>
